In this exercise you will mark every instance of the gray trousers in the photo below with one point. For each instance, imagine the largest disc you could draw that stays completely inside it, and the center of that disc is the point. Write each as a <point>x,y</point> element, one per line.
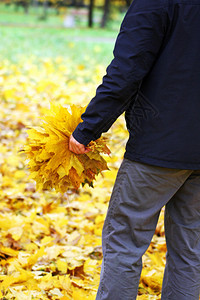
<point>139,193</point>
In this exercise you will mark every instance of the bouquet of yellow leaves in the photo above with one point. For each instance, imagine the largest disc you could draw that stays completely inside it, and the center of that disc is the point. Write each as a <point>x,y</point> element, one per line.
<point>51,164</point>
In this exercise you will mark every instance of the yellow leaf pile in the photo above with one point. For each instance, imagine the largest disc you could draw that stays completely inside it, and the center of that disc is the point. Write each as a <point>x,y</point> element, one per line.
<point>51,163</point>
<point>50,243</point>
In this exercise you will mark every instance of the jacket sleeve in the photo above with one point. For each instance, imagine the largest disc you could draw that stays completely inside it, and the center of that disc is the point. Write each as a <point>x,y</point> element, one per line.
<point>136,49</point>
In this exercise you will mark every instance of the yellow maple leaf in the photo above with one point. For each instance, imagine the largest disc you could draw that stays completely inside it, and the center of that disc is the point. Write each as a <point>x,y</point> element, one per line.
<point>18,277</point>
<point>62,266</point>
<point>152,279</point>
<point>8,251</point>
<point>33,258</point>
<point>51,163</point>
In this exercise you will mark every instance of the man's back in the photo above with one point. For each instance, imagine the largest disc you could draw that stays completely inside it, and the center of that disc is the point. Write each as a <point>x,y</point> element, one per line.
<point>164,120</point>
<point>154,77</point>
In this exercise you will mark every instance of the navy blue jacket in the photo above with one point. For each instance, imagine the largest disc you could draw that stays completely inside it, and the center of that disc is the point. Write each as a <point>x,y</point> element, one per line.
<point>155,78</point>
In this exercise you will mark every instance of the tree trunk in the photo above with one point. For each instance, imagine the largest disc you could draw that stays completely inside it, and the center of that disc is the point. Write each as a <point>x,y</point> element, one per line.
<point>26,7</point>
<point>45,7</point>
<point>128,3</point>
<point>105,13</point>
<point>35,3</point>
<point>90,13</point>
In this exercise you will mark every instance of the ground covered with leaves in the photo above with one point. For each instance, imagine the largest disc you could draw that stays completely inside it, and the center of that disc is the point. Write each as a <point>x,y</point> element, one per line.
<point>50,246</point>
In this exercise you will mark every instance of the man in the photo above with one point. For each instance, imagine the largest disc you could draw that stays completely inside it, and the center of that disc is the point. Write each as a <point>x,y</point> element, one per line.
<point>155,78</point>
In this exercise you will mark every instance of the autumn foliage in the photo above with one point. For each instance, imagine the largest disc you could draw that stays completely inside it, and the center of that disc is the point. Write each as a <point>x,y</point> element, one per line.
<point>51,163</point>
<point>50,244</point>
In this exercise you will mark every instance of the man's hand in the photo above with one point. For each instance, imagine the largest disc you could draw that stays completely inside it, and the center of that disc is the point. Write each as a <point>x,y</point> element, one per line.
<point>76,147</point>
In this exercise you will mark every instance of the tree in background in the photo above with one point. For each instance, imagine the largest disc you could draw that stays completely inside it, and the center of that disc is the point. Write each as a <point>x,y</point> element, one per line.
<point>105,5</point>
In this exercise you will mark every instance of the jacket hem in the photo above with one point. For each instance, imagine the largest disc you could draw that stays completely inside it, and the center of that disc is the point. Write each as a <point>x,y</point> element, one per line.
<point>162,163</point>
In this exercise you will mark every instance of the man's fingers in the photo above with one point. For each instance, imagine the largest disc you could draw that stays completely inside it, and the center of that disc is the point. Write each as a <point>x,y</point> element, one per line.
<point>77,147</point>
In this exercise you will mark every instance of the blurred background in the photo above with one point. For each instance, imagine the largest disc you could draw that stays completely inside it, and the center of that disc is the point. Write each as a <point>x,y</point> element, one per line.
<point>55,27</point>
<point>71,12</point>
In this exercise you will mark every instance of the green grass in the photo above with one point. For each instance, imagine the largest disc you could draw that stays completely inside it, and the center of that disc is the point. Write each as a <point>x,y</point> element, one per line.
<point>78,45</point>
<point>24,36</point>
